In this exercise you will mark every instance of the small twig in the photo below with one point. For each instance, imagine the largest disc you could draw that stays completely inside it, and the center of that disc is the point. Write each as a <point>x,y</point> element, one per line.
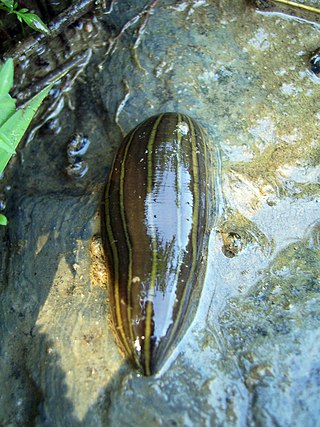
<point>299,5</point>
<point>79,61</point>
<point>107,12</point>
<point>113,40</point>
<point>146,11</point>
<point>60,23</point>
<point>122,105</point>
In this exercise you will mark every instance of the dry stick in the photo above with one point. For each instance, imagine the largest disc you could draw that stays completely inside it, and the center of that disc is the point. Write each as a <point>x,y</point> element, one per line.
<point>78,61</point>
<point>301,6</point>
<point>122,105</point>
<point>25,48</point>
<point>107,12</point>
<point>147,10</point>
<point>56,106</point>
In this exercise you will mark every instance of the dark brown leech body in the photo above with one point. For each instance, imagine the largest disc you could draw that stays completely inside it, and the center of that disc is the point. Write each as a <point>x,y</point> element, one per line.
<point>157,222</point>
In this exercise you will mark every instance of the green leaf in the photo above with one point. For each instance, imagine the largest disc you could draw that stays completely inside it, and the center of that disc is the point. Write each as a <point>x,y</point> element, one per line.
<point>6,144</point>
<point>3,220</point>
<point>33,21</point>
<point>9,4</point>
<point>15,127</point>
<point>7,107</point>
<point>6,76</point>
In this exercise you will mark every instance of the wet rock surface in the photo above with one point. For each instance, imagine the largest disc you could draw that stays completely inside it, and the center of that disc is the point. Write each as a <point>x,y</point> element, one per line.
<point>251,356</point>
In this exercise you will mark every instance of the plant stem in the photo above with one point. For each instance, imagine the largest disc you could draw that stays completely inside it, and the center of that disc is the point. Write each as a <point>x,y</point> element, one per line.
<point>301,6</point>
<point>66,18</point>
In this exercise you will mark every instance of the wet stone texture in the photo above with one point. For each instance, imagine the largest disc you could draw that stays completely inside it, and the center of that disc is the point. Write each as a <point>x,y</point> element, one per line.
<point>251,357</point>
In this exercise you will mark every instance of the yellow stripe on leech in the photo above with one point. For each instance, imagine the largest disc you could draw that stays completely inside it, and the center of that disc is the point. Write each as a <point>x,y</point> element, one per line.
<point>195,214</point>
<point>119,325</point>
<point>205,156</point>
<point>154,247</point>
<point>178,198</point>
<point>126,233</point>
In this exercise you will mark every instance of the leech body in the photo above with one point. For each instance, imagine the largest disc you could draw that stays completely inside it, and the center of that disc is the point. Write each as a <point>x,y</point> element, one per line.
<point>158,214</point>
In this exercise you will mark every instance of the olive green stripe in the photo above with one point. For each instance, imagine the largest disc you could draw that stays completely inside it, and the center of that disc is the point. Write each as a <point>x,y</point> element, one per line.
<point>178,201</point>
<point>208,186</point>
<point>113,245</point>
<point>195,220</point>
<point>195,213</point>
<point>147,337</point>
<point>126,233</point>
<point>178,184</point>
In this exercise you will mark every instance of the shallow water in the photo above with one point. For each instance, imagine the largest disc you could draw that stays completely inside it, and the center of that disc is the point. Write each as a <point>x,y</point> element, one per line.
<point>251,356</point>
